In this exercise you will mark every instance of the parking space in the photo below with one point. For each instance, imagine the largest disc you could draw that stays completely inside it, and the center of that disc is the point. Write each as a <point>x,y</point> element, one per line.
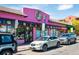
<point>72,49</point>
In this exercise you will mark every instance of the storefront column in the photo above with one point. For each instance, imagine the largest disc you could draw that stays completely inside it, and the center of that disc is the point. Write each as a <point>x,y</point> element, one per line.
<point>43,29</point>
<point>49,31</point>
<point>34,33</point>
<point>16,25</point>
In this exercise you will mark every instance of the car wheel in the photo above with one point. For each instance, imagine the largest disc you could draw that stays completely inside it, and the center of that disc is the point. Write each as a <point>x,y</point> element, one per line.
<point>68,42</point>
<point>74,40</point>
<point>44,48</point>
<point>58,44</point>
<point>6,52</point>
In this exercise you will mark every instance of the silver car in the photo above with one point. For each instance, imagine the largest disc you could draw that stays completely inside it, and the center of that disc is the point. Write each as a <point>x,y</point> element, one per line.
<point>68,38</point>
<point>44,43</point>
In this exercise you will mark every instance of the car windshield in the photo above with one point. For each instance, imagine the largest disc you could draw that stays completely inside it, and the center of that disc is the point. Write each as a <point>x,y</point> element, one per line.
<point>65,35</point>
<point>43,38</point>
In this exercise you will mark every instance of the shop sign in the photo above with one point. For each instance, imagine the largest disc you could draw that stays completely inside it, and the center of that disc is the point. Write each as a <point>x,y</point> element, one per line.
<point>38,15</point>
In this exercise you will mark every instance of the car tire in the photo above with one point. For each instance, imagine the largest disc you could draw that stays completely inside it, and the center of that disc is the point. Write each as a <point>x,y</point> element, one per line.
<point>58,44</point>
<point>44,48</point>
<point>6,52</point>
<point>74,41</point>
<point>68,42</point>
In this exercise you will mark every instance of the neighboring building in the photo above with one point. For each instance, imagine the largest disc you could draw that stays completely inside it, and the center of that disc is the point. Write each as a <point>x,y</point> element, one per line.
<point>70,22</point>
<point>28,24</point>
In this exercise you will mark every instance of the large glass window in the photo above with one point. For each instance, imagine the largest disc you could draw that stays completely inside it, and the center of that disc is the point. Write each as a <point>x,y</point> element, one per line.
<point>38,33</point>
<point>10,28</point>
<point>1,21</point>
<point>2,28</point>
<point>6,25</point>
<point>38,30</point>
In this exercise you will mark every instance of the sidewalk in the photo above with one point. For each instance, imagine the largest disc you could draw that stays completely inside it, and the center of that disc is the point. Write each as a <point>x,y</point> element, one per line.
<point>23,48</point>
<point>78,37</point>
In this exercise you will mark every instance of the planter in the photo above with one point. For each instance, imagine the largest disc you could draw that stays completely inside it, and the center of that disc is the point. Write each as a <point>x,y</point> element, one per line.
<point>20,41</point>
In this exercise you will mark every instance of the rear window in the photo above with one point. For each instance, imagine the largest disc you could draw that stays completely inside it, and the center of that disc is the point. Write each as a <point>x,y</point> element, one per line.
<point>6,39</point>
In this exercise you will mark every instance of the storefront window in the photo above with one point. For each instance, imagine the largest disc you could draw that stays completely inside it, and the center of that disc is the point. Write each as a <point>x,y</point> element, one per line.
<point>1,21</point>
<point>38,33</point>
<point>6,25</point>
<point>2,28</point>
<point>25,30</point>
<point>10,28</point>
<point>38,30</point>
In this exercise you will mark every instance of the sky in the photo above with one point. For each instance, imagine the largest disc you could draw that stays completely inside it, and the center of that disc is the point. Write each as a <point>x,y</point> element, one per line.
<point>56,11</point>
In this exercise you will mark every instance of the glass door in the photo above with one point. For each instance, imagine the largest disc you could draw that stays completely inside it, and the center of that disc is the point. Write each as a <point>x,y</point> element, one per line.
<point>29,34</point>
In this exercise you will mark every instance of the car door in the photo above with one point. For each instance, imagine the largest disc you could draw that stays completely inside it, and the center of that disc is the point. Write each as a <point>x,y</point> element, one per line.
<point>72,38</point>
<point>53,41</point>
<point>49,42</point>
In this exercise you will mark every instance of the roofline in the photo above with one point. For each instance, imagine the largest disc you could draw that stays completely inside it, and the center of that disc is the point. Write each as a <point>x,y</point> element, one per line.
<point>10,10</point>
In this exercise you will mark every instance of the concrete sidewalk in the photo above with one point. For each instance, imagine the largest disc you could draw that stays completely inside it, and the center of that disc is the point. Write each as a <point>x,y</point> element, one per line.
<point>78,37</point>
<point>23,48</point>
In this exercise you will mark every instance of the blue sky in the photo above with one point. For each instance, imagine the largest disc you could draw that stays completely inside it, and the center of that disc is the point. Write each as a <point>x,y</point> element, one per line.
<point>56,11</point>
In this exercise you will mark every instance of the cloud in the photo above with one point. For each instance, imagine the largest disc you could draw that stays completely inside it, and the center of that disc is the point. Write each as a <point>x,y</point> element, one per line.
<point>65,6</point>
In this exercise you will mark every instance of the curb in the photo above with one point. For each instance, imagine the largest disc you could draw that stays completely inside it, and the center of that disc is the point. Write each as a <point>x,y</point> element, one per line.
<point>24,49</point>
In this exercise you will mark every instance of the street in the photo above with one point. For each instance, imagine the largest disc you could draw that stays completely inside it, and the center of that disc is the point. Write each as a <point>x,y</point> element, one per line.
<point>72,49</point>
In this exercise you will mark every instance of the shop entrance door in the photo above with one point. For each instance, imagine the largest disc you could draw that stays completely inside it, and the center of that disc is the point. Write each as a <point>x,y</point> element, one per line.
<point>29,35</point>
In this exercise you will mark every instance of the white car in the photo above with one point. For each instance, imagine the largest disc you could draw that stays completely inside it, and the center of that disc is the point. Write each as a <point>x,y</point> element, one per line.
<point>44,43</point>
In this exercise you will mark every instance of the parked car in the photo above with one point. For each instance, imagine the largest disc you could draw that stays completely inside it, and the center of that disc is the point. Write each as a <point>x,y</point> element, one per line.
<point>68,38</point>
<point>44,43</point>
<point>8,45</point>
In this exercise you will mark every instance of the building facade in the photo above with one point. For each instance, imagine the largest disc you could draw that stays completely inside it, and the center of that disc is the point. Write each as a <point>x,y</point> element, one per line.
<point>28,25</point>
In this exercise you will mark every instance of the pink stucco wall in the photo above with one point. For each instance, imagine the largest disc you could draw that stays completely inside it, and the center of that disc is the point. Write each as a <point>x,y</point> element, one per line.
<point>32,18</point>
<point>11,16</point>
<point>34,33</point>
<point>31,15</point>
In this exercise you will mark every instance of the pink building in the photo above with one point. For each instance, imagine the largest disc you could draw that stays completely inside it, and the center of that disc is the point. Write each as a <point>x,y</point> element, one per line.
<point>31,20</point>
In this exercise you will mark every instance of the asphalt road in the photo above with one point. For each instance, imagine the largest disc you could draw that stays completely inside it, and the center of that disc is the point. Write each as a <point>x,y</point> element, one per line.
<point>72,49</point>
